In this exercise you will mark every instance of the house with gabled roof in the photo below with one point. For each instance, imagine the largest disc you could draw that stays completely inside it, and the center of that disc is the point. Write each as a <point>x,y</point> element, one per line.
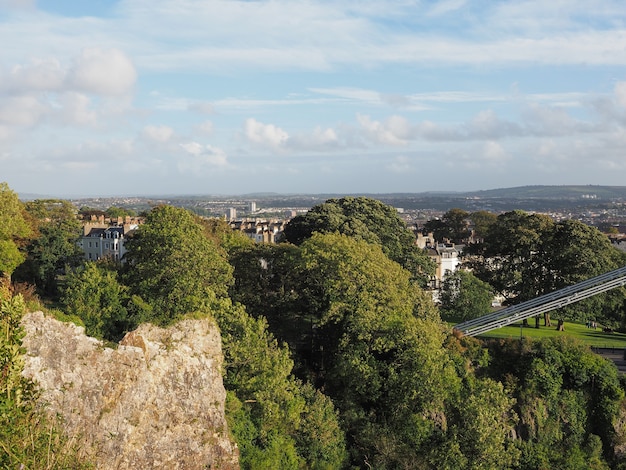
<point>105,241</point>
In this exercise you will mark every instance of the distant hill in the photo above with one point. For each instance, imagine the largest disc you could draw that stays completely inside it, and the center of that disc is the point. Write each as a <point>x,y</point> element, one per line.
<point>554,192</point>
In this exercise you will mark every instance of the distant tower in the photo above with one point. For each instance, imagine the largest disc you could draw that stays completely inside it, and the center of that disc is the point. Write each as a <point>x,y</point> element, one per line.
<point>252,206</point>
<point>231,213</point>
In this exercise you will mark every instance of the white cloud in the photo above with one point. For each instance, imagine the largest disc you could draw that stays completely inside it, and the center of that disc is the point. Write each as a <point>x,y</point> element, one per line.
<point>161,134</point>
<point>486,124</point>
<point>103,71</point>
<point>39,75</point>
<point>620,93</point>
<point>267,135</point>
<point>351,94</point>
<point>494,153</point>
<point>75,109</point>
<point>205,128</point>
<point>199,158</point>
<point>22,111</point>
<point>446,6</point>
<point>550,120</point>
<point>202,107</point>
<point>395,131</point>
<point>318,140</point>
<point>17,3</point>
<point>400,164</point>
<point>324,136</point>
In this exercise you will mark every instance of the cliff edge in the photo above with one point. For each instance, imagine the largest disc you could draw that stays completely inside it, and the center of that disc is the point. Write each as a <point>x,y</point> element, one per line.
<point>157,401</point>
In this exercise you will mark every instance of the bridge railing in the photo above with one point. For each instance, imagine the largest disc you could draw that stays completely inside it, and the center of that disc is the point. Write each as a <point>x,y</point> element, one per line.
<point>544,303</point>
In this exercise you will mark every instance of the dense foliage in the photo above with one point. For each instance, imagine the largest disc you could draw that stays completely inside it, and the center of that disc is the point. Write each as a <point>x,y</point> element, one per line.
<point>526,255</point>
<point>53,247</point>
<point>463,296</point>
<point>12,229</point>
<point>173,266</point>
<point>567,399</point>
<point>335,357</point>
<point>368,220</point>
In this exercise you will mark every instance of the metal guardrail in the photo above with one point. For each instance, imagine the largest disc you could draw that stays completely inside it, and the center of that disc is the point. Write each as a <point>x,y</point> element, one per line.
<point>544,303</point>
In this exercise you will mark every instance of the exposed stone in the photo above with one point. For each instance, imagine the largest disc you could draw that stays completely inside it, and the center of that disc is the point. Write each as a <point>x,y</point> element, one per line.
<point>157,401</point>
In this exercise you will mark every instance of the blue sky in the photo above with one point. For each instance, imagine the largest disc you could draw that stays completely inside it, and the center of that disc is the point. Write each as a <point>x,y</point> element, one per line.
<point>141,97</point>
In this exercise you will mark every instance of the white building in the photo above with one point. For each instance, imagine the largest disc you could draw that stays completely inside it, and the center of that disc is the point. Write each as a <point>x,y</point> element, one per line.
<point>446,258</point>
<point>105,242</point>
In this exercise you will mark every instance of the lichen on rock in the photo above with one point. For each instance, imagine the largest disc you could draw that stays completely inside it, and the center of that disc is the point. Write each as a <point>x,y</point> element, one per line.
<point>156,401</point>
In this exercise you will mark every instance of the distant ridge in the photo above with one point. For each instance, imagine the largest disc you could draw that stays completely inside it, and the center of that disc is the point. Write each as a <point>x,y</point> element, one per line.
<point>532,192</point>
<point>554,192</point>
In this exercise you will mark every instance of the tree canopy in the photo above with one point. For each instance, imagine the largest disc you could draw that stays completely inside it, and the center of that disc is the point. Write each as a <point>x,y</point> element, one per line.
<point>525,255</point>
<point>172,265</point>
<point>463,296</point>
<point>12,228</point>
<point>54,244</point>
<point>365,219</point>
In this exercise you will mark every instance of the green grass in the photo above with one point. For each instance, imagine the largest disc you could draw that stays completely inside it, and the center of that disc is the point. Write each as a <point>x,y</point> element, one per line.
<point>595,338</point>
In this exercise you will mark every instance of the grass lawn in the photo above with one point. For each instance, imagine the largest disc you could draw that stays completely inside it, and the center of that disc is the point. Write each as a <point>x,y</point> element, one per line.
<point>596,338</point>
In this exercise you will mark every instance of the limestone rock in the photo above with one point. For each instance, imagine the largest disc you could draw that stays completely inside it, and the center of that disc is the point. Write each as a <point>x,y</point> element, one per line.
<point>156,401</point>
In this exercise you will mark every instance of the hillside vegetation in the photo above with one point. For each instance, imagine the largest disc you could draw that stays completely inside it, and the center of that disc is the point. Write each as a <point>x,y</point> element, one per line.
<point>336,357</point>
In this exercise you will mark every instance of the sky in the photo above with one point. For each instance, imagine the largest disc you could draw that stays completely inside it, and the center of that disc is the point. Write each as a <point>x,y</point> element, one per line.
<point>225,97</point>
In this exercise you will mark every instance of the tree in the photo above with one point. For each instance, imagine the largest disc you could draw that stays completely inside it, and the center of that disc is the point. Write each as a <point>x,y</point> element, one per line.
<point>567,399</point>
<point>271,283</point>
<point>54,245</point>
<point>486,421</point>
<point>115,212</point>
<point>526,255</point>
<point>368,220</point>
<point>278,422</point>
<point>512,256</point>
<point>377,332</point>
<point>12,228</point>
<point>452,226</point>
<point>464,297</point>
<point>172,265</point>
<point>94,295</point>
<point>219,230</point>
<point>482,220</point>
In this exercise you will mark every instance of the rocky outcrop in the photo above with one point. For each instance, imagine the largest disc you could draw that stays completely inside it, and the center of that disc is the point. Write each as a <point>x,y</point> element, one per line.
<point>156,401</point>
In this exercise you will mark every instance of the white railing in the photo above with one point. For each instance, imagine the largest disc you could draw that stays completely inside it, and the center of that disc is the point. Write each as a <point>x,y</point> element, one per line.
<point>545,303</point>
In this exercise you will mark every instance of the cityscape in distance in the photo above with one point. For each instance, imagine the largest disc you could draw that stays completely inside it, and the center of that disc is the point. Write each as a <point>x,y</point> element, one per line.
<point>596,205</point>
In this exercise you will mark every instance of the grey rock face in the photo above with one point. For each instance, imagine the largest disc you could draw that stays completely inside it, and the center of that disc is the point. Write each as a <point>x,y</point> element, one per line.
<point>157,401</point>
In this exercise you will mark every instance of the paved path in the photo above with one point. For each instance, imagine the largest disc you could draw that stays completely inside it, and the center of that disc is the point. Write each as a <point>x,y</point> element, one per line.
<point>615,355</point>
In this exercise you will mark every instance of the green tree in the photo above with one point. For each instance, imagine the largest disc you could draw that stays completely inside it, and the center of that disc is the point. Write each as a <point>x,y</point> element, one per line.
<point>526,255</point>
<point>94,294</point>
<point>271,282</point>
<point>567,399</point>
<point>278,423</point>
<point>115,212</point>
<point>12,228</point>
<point>377,332</point>
<point>219,230</point>
<point>54,244</point>
<point>368,220</point>
<point>464,297</point>
<point>511,258</point>
<point>172,265</point>
<point>452,226</point>
<point>486,421</point>
<point>482,220</point>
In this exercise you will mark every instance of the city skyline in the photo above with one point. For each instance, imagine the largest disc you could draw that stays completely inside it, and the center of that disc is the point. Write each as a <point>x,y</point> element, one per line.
<point>138,97</point>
